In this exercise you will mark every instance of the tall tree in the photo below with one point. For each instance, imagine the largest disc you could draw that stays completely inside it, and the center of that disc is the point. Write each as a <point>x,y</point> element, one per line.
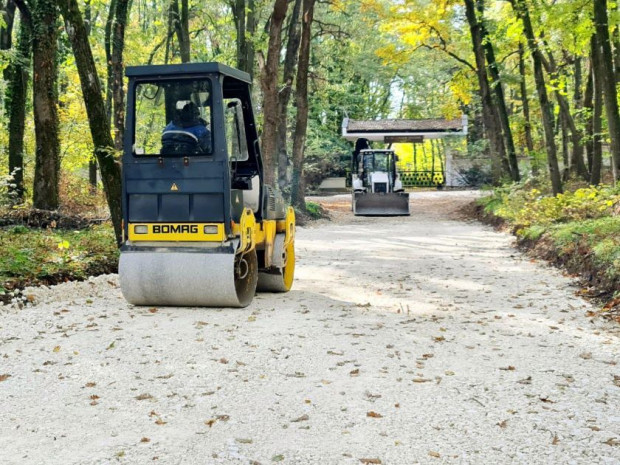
<point>522,12</point>
<point>244,15</point>
<point>605,72</point>
<point>269,85</point>
<point>95,108</point>
<point>288,75</point>
<point>17,93</point>
<point>42,17</point>
<point>117,70</point>
<point>301,98</point>
<point>525,104</point>
<point>500,99</point>
<point>180,21</point>
<point>493,129</point>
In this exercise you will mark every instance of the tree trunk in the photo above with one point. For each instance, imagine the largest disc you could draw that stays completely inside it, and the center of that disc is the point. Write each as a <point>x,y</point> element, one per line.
<point>576,165</point>
<point>245,24</point>
<point>597,116</point>
<point>288,75</point>
<point>546,106</point>
<point>16,103</point>
<point>180,20</point>
<point>109,26</point>
<point>605,72</point>
<point>500,99</point>
<point>491,123</point>
<point>92,163</point>
<point>118,67</point>
<point>45,101</point>
<point>96,110</point>
<point>301,97</point>
<point>269,84</point>
<point>588,105</point>
<point>527,126</point>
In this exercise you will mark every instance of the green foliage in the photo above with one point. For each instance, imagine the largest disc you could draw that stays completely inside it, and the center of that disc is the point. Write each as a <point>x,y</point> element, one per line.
<point>582,224</point>
<point>314,210</point>
<point>32,256</point>
<point>529,206</point>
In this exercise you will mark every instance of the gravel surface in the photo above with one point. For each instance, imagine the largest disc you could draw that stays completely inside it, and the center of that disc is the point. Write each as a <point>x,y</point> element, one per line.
<point>425,339</point>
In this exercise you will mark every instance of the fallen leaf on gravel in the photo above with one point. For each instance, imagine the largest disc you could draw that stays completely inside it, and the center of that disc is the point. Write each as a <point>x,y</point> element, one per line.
<point>153,310</point>
<point>612,442</point>
<point>165,376</point>
<point>432,453</point>
<point>144,396</point>
<point>374,414</point>
<point>210,422</point>
<point>420,380</point>
<point>91,384</point>
<point>223,417</point>
<point>160,422</point>
<point>57,349</point>
<point>372,397</point>
<point>428,355</point>
<point>4,377</point>
<point>297,374</point>
<point>586,355</point>
<point>111,346</point>
<point>301,418</point>
<point>439,338</point>
<point>251,318</point>
<point>153,413</point>
<point>223,361</point>
<point>503,424</point>
<point>556,440</point>
<point>355,372</point>
<point>547,400</point>
<point>326,382</point>
<point>277,458</point>
<point>243,441</point>
<point>335,352</point>
<point>616,380</point>
<point>508,368</point>
<point>145,440</point>
<point>371,461</point>
<point>527,380</point>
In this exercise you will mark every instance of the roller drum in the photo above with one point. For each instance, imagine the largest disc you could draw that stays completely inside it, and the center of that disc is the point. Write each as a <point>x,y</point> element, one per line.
<point>188,279</point>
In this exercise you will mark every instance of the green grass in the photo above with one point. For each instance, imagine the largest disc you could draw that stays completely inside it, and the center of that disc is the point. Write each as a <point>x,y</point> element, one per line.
<point>36,256</point>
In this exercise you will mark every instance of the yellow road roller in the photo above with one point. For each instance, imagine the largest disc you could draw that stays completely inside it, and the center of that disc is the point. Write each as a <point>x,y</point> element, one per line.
<point>200,226</point>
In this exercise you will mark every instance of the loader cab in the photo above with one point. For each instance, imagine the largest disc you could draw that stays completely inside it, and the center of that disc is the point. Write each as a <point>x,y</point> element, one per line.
<point>191,152</point>
<point>376,170</point>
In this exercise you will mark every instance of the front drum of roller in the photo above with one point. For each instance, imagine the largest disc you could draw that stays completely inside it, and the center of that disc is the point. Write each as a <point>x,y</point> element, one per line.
<point>188,279</point>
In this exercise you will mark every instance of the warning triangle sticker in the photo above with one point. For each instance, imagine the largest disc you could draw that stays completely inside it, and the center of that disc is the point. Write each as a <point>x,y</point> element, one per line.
<point>174,187</point>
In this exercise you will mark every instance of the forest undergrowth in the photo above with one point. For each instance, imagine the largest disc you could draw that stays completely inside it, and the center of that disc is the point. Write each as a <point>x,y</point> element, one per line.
<point>578,231</point>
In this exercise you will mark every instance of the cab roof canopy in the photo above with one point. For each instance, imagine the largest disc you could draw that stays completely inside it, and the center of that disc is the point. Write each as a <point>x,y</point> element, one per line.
<point>187,69</point>
<point>403,130</point>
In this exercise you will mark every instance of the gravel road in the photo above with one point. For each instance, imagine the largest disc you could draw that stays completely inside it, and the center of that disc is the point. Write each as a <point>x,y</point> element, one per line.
<point>425,339</point>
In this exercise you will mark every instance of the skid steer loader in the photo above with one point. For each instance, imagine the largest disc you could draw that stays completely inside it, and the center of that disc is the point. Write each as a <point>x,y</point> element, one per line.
<point>377,189</point>
<point>201,228</point>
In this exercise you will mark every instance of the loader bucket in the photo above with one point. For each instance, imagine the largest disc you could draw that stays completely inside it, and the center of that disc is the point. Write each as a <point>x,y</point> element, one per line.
<point>381,204</point>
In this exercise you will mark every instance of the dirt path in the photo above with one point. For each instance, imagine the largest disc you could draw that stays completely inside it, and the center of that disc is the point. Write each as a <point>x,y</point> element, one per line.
<point>406,340</point>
